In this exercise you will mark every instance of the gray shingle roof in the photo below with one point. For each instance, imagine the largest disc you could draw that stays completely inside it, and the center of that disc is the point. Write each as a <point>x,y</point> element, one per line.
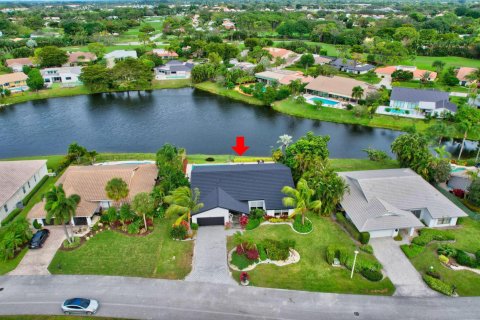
<point>440,98</point>
<point>382,199</point>
<point>351,65</point>
<point>232,186</point>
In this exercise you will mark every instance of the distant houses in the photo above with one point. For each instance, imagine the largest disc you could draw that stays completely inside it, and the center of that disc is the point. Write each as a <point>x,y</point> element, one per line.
<point>67,76</point>
<point>289,56</point>
<point>116,55</point>
<point>351,66</point>
<point>17,64</point>
<point>462,75</point>
<point>80,58</point>
<point>228,24</point>
<point>165,54</point>
<point>173,69</point>
<point>418,74</point>
<point>15,82</point>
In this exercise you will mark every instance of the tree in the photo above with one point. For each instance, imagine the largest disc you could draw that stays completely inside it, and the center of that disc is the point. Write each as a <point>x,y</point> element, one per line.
<point>468,120</point>
<point>474,76</point>
<point>449,77</point>
<point>117,189</point>
<point>97,78</point>
<point>50,56</point>
<point>357,92</point>
<point>170,167</point>
<point>412,151</point>
<point>440,130</point>
<point>183,202</point>
<point>284,140</point>
<point>307,60</point>
<point>131,74</point>
<point>97,48</point>
<point>148,29</point>
<point>401,75</point>
<point>438,65</point>
<point>60,208</point>
<point>441,170</point>
<point>300,198</point>
<point>474,192</point>
<point>76,151</point>
<point>143,205</point>
<point>35,80</point>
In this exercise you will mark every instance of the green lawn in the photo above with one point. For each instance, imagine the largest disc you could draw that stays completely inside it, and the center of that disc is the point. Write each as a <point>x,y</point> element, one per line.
<point>9,265</point>
<point>468,239</point>
<point>112,253</point>
<point>232,94</point>
<point>52,161</point>
<point>362,164</point>
<point>331,49</point>
<point>431,85</point>
<point>423,62</point>
<point>312,272</point>
<point>171,84</point>
<point>45,94</point>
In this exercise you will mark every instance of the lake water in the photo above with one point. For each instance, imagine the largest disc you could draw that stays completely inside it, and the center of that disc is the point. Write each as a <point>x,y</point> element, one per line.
<point>143,122</point>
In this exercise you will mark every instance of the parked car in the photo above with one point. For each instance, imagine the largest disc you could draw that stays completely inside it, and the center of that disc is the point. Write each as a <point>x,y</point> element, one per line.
<point>80,306</point>
<point>39,238</point>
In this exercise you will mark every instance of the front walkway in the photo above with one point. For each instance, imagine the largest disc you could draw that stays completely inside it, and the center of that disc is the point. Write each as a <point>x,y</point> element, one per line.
<point>401,272</point>
<point>210,256</point>
<point>36,262</point>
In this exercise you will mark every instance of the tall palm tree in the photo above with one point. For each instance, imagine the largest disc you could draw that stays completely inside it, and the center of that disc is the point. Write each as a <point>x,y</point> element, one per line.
<point>143,205</point>
<point>183,202</point>
<point>357,92</point>
<point>442,152</point>
<point>300,198</point>
<point>284,140</point>
<point>117,189</point>
<point>60,208</point>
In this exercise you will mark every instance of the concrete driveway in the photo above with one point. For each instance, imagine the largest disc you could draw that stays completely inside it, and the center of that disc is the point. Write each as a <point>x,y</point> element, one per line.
<point>36,261</point>
<point>210,257</point>
<point>403,274</point>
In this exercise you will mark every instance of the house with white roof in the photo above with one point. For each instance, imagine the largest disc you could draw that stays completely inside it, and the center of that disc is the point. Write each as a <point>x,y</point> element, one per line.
<point>67,76</point>
<point>116,55</point>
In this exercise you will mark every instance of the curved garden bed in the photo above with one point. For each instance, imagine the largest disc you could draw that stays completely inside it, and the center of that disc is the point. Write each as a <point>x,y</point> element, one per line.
<point>294,257</point>
<point>294,224</point>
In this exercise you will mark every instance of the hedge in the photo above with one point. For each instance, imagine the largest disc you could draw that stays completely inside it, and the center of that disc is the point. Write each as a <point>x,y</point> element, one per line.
<point>372,275</point>
<point>252,224</point>
<point>346,257</point>
<point>363,237</point>
<point>438,285</point>
<point>465,259</point>
<point>412,250</point>
<point>34,190</point>
<point>428,235</point>
<point>12,215</point>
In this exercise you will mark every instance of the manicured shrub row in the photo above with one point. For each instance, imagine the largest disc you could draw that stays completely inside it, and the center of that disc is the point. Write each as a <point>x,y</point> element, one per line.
<point>372,275</point>
<point>278,220</point>
<point>302,228</point>
<point>428,235</point>
<point>262,254</point>
<point>11,216</point>
<point>412,250</point>
<point>278,250</point>
<point>363,237</point>
<point>252,224</point>
<point>75,243</point>
<point>465,259</point>
<point>34,190</point>
<point>367,248</point>
<point>438,285</point>
<point>346,257</point>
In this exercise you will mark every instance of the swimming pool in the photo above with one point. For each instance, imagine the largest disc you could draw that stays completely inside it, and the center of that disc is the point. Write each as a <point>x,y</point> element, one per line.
<point>400,111</point>
<point>325,101</point>
<point>458,169</point>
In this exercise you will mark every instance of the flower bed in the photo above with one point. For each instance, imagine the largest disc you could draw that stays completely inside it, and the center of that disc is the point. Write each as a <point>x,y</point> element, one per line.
<point>292,225</point>
<point>293,257</point>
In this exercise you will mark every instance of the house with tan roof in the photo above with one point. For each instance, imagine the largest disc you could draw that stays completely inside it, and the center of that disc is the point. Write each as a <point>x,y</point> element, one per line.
<point>79,58</point>
<point>89,183</point>
<point>418,74</point>
<point>165,54</point>
<point>462,75</point>
<point>289,56</point>
<point>15,82</point>
<point>281,77</point>
<point>17,179</point>
<point>17,64</point>
<point>337,87</point>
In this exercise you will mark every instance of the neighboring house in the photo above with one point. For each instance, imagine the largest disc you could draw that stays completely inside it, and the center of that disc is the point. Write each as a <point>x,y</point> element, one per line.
<point>289,56</point>
<point>89,183</point>
<point>116,55</point>
<point>68,76</point>
<point>281,77</point>
<point>228,191</point>
<point>15,82</point>
<point>422,101</point>
<point>351,66</point>
<point>165,54</point>
<point>385,202</point>
<point>17,64</point>
<point>17,179</point>
<point>336,87</point>
<point>462,75</point>
<point>173,69</point>
<point>245,66</point>
<point>417,73</point>
<point>321,60</point>
<point>80,58</point>
<point>228,24</point>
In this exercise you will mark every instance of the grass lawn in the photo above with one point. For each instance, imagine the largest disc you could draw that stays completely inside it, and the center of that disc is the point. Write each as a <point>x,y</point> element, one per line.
<point>45,94</point>
<point>431,85</point>
<point>468,239</point>
<point>9,265</point>
<point>112,253</point>
<point>43,317</point>
<point>232,94</point>
<point>312,273</point>
<point>362,164</point>
<point>171,84</point>
<point>331,49</point>
<point>424,62</point>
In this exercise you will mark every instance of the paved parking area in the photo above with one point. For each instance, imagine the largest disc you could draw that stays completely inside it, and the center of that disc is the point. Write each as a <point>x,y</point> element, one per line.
<point>36,262</point>
<point>403,274</point>
<point>210,256</point>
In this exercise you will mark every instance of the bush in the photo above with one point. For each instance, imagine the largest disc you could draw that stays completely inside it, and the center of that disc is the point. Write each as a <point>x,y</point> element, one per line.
<point>240,261</point>
<point>330,254</point>
<point>477,256</point>
<point>256,214</point>
<point>240,250</point>
<point>11,216</point>
<point>376,155</point>
<point>252,254</point>
<point>37,225</point>
<point>447,251</point>
<point>34,190</point>
<point>438,285</point>
<point>302,228</point>
<point>372,275</point>
<point>443,259</point>
<point>388,109</point>
<point>346,257</point>
<point>367,248</point>
<point>194,226</point>
<point>261,252</point>
<point>278,220</point>
<point>465,259</point>
<point>412,250</point>
<point>243,220</point>
<point>363,237</point>
<point>434,274</point>
<point>134,227</point>
<point>178,232</point>
<point>210,159</point>
<point>252,224</point>
<point>428,235</point>
<point>278,250</point>
<point>407,111</point>
<point>75,243</point>
<point>398,237</point>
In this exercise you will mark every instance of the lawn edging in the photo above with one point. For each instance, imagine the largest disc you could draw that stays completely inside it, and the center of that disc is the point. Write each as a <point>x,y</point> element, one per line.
<point>294,257</point>
<point>287,223</point>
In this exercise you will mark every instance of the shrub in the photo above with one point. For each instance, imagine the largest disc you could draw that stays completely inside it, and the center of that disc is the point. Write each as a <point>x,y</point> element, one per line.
<point>398,237</point>
<point>37,225</point>
<point>252,254</point>
<point>443,259</point>
<point>11,216</point>
<point>302,228</point>
<point>240,250</point>
<point>477,256</point>
<point>459,193</point>
<point>363,237</point>
<point>257,214</point>
<point>330,254</point>
<point>134,227</point>
<point>278,220</point>
<point>376,155</point>
<point>465,259</point>
<point>388,109</point>
<point>75,243</point>
<point>447,251</point>
<point>240,261</point>
<point>372,275</point>
<point>434,274</point>
<point>412,250</point>
<point>30,195</point>
<point>243,220</point>
<point>428,235</point>
<point>367,248</point>
<point>346,257</point>
<point>349,107</point>
<point>252,224</point>
<point>209,159</point>
<point>278,250</point>
<point>438,285</point>
<point>261,252</point>
<point>178,232</point>
<point>407,111</point>
<point>194,226</point>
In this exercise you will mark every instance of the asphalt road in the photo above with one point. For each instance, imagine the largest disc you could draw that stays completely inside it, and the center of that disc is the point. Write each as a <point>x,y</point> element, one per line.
<point>138,298</point>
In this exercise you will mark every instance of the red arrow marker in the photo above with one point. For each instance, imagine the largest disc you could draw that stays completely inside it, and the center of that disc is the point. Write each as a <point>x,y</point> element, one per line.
<point>240,147</point>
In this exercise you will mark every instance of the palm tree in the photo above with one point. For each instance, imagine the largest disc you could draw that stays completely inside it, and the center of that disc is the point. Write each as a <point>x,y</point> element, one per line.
<point>425,77</point>
<point>301,199</point>
<point>143,205</point>
<point>357,92</point>
<point>442,152</point>
<point>116,189</point>
<point>468,119</point>
<point>183,202</point>
<point>284,140</point>
<point>61,208</point>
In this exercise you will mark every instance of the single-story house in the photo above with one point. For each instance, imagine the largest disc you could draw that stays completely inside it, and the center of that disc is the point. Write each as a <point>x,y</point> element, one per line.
<point>385,202</point>
<point>228,191</point>
<point>65,75</point>
<point>165,54</point>
<point>15,82</point>
<point>417,73</point>
<point>173,69</point>
<point>321,60</point>
<point>423,101</point>
<point>228,24</point>
<point>89,183</point>
<point>17,179</point>
<point>115,55</point>
<point>289,56</point>
<point>17,64</point>
<point>351,66</point>
<point>79,58</point>
<point>281,77</point>
<point>245,66</point>
<point>462,75</point>
<point>336,87</point>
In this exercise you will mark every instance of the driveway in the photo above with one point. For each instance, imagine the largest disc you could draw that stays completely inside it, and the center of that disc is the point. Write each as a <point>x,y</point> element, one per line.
<point>36,262</point>
<point>386,81</point>
<point>210,257</point>
<point>404,276</point>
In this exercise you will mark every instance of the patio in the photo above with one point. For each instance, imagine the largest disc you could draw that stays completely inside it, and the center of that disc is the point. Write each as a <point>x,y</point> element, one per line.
<point>389,111</point>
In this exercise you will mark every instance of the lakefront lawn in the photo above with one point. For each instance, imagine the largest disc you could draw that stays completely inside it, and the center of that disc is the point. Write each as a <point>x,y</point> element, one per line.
<point>312,272</point>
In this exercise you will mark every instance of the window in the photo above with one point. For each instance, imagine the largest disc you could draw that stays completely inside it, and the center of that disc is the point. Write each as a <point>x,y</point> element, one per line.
<point>28,182</point>
<point>68,78</point>
<point>417,213</point>
<point>35,177</point>
<point>258,204</point>
<point>444,221</point>
<point>5,207</point>
<point>24,191</point>
<point>280,213</point>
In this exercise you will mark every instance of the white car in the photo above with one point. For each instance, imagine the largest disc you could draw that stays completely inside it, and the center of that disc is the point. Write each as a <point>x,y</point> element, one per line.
<point>80,306</point>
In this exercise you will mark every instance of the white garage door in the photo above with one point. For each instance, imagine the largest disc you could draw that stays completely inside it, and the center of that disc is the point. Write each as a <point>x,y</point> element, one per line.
<point>382,233</point>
